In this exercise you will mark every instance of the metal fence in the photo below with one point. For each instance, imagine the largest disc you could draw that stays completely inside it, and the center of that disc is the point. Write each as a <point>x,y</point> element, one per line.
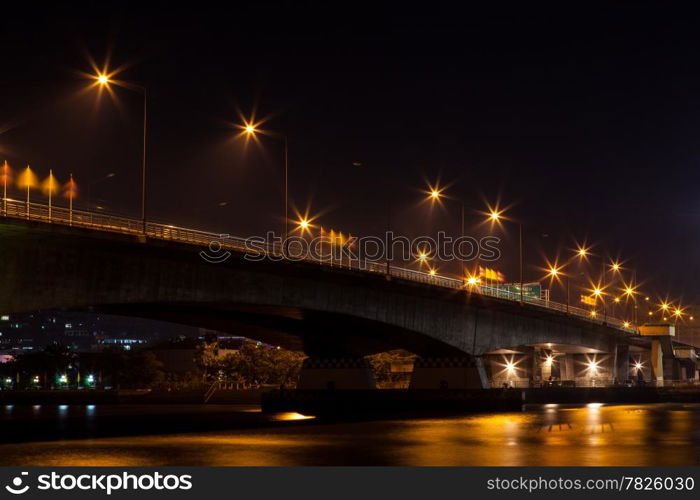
<point>126,225</point>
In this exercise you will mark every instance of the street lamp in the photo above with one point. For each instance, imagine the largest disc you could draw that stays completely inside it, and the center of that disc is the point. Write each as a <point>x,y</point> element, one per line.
<point>554,272</point>
<point>436,196</point>
<point>251,129</point>
<point>496,216</point>
<point>104,80</point>
<point>27,180</point>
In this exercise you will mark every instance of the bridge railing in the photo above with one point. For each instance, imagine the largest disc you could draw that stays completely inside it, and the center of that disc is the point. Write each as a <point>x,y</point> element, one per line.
<point>126,225</point>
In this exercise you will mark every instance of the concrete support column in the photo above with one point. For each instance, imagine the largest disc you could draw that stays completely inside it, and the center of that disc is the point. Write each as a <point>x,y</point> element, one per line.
<point>622,363</point>
<point>657,362</point>
<point>530,365</point>
<point>546,366</point>
<point>449,373</point>
<point>335,373</point>
<point>567,367</point>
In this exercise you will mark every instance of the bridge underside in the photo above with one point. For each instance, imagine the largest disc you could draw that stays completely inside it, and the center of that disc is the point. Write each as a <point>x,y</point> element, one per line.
<point>317,333</point>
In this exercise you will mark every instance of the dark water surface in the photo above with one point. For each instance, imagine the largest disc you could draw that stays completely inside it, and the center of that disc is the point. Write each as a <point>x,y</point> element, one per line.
<point>664,434</point>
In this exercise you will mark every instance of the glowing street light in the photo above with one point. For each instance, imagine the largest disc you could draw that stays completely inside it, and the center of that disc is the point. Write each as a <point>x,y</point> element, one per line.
<point>472,281</point>
<point>435,195</point>
<point>5,174</point>
<point>27,180</point>
<point>103,79</point>
<point>50,186</point>
<point>251,129</point>
<point>70,191</point>
<point>495,216</point>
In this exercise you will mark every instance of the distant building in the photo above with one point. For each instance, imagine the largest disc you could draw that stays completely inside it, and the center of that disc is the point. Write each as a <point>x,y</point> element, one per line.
<point>83,331</point>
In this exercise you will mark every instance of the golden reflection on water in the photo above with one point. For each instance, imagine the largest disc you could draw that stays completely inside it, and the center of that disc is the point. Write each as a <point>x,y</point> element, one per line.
<point>549,435</point>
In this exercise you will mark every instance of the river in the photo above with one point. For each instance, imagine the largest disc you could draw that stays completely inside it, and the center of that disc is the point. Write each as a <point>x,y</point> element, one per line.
<point>160,435</point>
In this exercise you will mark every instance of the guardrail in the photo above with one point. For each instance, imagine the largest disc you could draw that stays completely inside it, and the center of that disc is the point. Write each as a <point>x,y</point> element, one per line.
<point>125,225</point>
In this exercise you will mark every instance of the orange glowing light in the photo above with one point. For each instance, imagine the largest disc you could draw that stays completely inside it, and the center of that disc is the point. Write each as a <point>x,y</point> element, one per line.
<point>50,185</point>
<point>27,179</point>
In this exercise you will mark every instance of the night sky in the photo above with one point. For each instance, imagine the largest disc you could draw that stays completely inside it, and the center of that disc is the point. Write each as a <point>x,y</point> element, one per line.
<point>583,117</point>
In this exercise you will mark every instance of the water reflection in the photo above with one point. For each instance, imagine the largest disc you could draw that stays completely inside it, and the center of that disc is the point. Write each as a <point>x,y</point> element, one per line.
<point>548,435</point>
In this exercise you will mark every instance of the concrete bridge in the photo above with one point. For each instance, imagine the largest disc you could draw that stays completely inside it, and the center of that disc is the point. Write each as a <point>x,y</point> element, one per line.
<point>335,315</point>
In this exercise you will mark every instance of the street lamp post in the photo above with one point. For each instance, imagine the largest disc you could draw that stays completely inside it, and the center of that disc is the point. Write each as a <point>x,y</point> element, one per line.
<point>143,160</point>
<point>5,178</point>
<point>104,80</point>
<point>436,195</point>
<point>497,217</point>
<point>251,130</point>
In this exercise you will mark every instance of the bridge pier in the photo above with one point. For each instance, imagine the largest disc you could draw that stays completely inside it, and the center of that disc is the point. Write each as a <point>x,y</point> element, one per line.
<point>449,373</point>
<point>567,367</point>
<point>622,362</point>
<point>336,373</point>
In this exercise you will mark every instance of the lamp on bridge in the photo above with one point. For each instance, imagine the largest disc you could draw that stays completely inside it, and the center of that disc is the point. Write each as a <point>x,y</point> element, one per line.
<point>435,195</point>
<point>70,191</point>
<point>250,129</point>
<point>496,216</point>
<point>27,180</point>
<point>104,79</point>
<point>6,175</point>
<point>49,187</point>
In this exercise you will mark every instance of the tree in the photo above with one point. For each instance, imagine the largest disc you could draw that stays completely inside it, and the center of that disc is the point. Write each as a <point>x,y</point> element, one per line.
<point>385,364</point>
<point>143,370</point>
<point>206,359</point>
<point>255,363</point>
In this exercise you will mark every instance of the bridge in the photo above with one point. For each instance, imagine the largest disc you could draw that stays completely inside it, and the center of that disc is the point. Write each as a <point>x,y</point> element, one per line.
<point>465,336</point>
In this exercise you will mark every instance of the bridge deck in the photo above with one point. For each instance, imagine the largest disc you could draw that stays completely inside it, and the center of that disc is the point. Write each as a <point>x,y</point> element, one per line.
<point>125,225</point>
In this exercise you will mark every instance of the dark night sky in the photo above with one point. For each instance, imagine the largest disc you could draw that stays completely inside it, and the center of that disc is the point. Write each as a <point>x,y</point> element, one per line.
<point>584,118</point>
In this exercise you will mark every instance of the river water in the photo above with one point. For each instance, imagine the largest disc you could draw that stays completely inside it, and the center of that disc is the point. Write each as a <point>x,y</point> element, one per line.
<point>159,435</point>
